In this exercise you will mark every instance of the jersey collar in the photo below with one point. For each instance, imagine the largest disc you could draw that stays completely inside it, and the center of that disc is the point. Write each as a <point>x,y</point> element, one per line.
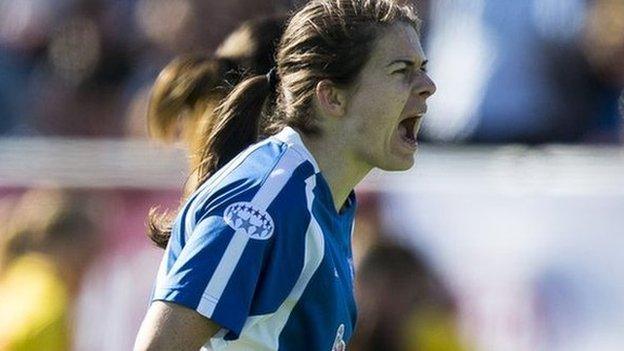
<point>292,138</point>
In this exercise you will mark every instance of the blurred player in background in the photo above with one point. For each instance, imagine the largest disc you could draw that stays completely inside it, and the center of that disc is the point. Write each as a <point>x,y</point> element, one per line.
<point>404,305</point>
<point>189,88</point>
<point>403,302</point>
<point>259,256</point>
<point>47,243</point>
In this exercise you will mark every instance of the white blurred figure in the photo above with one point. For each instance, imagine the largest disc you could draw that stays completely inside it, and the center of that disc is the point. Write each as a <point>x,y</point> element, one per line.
<point>514,71</point>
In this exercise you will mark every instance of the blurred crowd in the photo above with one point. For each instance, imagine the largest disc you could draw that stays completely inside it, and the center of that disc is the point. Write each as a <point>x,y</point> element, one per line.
<point>81,67</point>
<point>534,71</point>
<point>530,71</point>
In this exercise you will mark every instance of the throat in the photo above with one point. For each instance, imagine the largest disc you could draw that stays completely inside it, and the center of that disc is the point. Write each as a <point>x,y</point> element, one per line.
<point>340,171</point>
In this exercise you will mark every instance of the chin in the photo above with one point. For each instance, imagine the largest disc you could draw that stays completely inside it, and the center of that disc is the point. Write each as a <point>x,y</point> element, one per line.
<point>396,164</point>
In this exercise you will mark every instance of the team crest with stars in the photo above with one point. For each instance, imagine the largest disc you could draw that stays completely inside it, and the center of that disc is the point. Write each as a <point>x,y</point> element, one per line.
<point>254,221</point>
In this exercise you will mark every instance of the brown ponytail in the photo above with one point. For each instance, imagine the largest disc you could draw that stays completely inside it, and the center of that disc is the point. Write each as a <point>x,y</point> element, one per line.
<point>236,126</point>
<point>192,86</point>
<point>184,90</point>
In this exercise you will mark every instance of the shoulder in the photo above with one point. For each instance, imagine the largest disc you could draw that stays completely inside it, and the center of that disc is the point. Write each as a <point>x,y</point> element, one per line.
<point>268,180</point>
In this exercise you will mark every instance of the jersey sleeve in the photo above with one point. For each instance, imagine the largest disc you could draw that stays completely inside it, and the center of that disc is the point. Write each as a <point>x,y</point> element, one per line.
<point>241,259</point>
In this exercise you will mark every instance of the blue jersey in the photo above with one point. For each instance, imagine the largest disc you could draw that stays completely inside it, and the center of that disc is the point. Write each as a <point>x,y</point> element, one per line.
<point>260,250</point>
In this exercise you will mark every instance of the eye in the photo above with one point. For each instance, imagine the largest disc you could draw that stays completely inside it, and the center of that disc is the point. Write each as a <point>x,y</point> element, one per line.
<point>404,70</point>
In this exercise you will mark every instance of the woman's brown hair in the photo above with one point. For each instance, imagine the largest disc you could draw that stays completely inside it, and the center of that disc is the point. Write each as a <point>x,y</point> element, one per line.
<point>326,39</point>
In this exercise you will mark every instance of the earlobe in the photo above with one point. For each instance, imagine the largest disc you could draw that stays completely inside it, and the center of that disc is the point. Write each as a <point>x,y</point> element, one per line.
<point>331,99</point>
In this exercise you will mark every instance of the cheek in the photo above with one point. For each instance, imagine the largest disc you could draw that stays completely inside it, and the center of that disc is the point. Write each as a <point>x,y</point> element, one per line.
<point>379,110</point>
<point>387,111</point>
<point>386,104</point>
<point>394,98</point>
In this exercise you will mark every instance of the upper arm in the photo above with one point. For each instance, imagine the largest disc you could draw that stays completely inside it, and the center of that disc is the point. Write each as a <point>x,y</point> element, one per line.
<point>169,326</point>
<point>237,252</point>
<point>238,262</point>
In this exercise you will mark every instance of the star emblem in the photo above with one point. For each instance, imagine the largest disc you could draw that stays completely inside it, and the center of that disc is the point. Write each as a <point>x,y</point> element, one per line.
<point>253,220</point>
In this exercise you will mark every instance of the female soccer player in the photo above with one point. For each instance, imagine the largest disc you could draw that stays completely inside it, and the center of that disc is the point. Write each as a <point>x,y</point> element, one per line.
<point>259,256</point>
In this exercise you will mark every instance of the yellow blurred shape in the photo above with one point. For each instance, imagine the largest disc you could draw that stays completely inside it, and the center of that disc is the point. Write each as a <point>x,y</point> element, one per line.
<point>33,307</point>
<point>432,330</point>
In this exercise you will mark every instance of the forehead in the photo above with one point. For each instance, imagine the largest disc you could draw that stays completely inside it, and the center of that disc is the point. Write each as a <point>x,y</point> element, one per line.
<point>399,41</point>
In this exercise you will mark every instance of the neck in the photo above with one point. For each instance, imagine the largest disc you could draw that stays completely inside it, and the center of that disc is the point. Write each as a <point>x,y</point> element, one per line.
<point>340,169</point>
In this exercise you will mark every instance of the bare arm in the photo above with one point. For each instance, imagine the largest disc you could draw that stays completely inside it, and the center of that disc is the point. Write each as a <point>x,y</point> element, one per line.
<point>169,326</point>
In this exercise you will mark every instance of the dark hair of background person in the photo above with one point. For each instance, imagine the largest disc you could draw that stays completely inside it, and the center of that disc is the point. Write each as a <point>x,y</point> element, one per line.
<point>393,283</point>
<point>188,89</point>
<point>326,39</point>
<point>50,222</point>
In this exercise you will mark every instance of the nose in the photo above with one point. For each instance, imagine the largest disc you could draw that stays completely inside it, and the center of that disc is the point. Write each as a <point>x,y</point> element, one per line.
<point>426,87</point>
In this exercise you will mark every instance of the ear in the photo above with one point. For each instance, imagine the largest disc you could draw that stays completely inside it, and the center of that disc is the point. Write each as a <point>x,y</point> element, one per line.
<point>331,99</point>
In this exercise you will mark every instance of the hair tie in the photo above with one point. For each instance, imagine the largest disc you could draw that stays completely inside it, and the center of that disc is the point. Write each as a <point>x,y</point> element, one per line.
<point>272,78</point>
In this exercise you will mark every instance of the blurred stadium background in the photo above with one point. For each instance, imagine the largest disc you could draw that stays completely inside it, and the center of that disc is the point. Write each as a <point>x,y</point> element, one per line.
<point>511,222</point>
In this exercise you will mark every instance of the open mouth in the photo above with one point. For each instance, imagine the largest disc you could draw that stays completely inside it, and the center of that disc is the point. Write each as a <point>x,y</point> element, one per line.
<point>407,130</point>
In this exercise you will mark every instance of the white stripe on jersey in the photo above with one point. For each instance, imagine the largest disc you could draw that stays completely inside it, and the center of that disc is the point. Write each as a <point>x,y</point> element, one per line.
<point>263,332</point>
<point>292,139</point>
<point>207,188</point>
<point>272,186</point>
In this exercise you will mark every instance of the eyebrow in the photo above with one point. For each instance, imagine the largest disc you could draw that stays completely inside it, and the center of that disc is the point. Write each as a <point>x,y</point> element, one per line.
<point>407,62</point>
